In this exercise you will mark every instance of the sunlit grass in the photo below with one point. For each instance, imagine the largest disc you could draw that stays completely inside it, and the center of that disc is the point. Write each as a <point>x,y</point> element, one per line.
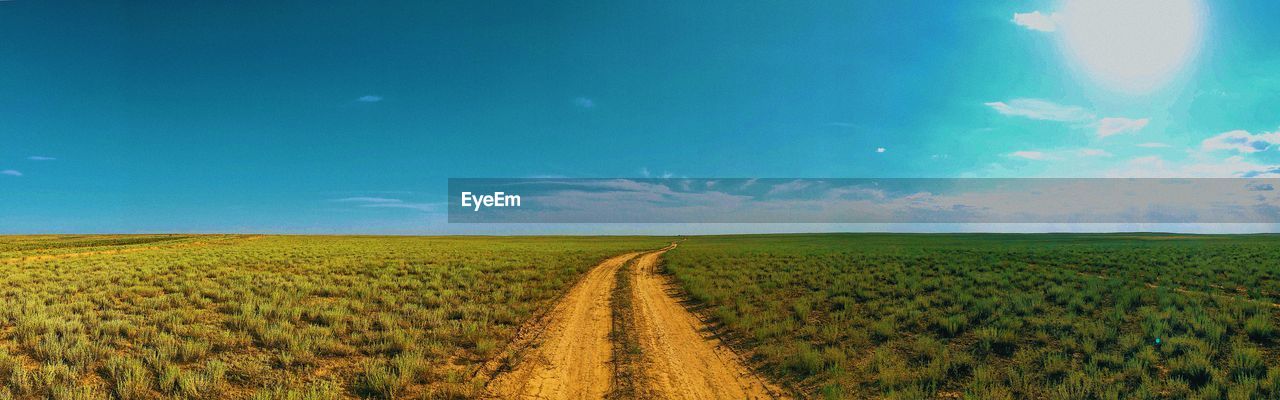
<point>996,316</point>
<point>272,317</point>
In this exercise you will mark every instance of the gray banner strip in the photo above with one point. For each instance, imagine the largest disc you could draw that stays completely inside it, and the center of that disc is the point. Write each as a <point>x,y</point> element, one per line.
<point>864,200</point>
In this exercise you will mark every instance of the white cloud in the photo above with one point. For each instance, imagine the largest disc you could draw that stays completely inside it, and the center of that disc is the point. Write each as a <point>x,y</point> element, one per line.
<point>1044,110</point>
<point>1116,125</point>
<point>1153,145</point>
<point>369,99</point>
<point>584,102</point>
<point>386,202</point>
<point>1041,110</point>
<point>1241,141</point>
<point>790,187</point>
<point>1036,21</point>
<point>644,171</point>
<point>1030,155</point>
<point>370,200</point>
<point>412,206</point>
<point>879,149</point>
<point>1059,154</point>
<point>10,172</point>
<point>41,158</point>
<point>1230,167</point>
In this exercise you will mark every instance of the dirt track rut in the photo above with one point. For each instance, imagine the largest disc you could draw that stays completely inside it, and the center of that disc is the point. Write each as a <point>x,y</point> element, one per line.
<point>680,359</point>
<point>571,357</point>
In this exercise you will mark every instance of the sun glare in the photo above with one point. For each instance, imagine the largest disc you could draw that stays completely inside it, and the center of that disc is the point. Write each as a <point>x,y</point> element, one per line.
<point>1132,46</point>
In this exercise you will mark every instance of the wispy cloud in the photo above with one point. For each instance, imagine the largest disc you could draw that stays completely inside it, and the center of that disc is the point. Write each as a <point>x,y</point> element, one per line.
<point>1116,125</point>
<point>1059,154</point>
<point>790,187</point>
<point>1230,167</point>
<point>1041,110</point>
<point>387,202</point>
<point>584,102</point>
<point>1044,110</point>
<point>1036,21</point>
<point>1153,145</point>
<point>428,207</point>
<point>1029,154</point>
<point>362,199</point>
<point>11,172</point>
<point>369,98</point>
<point>1241,141</point>
<point>644,172</point>
<point>1093,153</point>
<point>779,200</point>
<point>41,158</point>
<point>880,149</point>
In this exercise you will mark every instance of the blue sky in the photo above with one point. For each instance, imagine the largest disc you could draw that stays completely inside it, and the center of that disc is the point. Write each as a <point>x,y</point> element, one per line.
<point>349,116</point>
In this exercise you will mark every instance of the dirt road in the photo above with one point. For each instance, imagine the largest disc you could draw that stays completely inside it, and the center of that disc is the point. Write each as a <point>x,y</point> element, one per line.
<point>679,358</point>
<point>571,357</point>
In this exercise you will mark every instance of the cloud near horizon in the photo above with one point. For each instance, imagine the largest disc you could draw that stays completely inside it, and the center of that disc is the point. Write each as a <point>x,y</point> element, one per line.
<point>1094,153</point>
<point>1241,141</point>
<point>41,158</point>
<point>881,201</point>
<point>386,202</point>
<point>1115,125</point>
<point>1039,109</point>
<point>1036,21</point>
<point>1029,155</point>
<point>363,199</point>
<point>1044,110</point>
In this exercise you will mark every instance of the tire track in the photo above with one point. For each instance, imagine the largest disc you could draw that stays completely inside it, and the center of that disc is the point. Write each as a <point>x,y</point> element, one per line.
<point>679,358</point>
<point>571,357</point>
<point>573,353</point>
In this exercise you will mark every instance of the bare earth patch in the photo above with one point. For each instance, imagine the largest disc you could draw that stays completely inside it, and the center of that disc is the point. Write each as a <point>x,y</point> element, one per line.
<point>680,359</point>
<point>571,358</point>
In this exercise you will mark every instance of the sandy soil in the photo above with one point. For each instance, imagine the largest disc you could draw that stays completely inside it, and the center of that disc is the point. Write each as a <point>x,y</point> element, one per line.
<point>571,357</point>
<point>680,359</point>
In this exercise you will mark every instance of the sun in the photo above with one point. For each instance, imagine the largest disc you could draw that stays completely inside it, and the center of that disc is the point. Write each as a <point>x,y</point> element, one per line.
<point>1133,46</point>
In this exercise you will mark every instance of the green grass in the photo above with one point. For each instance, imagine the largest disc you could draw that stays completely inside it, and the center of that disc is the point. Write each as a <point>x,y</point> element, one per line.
<point>272,317</point>
<point>996,316</point>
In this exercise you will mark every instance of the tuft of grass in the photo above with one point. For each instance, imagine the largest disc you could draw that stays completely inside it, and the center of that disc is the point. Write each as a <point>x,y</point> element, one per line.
<point>127,377</point>
<point>1246,363</point>
<point>321,390</point>
<point>1259,327</point>
<point>995,341</point>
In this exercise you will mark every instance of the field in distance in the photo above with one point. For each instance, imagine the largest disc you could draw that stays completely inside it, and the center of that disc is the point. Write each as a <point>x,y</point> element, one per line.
<point>273,317</point>
<point>996,316</point>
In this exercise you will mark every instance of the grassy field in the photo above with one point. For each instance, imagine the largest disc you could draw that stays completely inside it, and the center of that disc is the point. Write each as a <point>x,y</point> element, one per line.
<point>274,317</point>
<point>997,316</point>
<point>836,316</point>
